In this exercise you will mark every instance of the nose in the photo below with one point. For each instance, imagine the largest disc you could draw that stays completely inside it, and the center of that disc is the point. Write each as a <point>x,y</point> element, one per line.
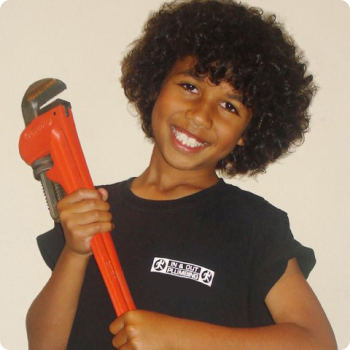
<point>199,114</point>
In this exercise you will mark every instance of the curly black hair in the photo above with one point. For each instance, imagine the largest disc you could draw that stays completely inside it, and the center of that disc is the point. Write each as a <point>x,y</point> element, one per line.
<point>237,44</point>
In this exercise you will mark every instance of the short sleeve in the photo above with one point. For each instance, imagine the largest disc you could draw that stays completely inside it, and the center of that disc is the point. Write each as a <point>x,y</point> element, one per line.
<point>273,250</point>
<point>51,245</point>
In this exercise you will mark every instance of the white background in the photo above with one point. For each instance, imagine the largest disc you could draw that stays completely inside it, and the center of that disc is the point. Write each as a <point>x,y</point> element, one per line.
<point>82,42</point>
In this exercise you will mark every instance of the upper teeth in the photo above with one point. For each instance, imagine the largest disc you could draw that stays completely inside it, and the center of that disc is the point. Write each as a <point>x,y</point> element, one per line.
<point>186,140</point>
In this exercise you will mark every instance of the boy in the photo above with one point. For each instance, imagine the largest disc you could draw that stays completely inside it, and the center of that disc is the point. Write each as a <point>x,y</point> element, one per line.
<point>219,88</point>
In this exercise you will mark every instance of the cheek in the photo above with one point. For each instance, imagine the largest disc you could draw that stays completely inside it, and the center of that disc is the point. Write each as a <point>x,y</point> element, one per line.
<point>156,116</point>
<point>160,121</point>
<point>228,138</point>
<point>165,110</point>
<point>231,132</point>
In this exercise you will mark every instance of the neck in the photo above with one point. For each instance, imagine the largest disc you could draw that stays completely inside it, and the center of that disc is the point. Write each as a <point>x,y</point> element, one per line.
<point>161,181</point>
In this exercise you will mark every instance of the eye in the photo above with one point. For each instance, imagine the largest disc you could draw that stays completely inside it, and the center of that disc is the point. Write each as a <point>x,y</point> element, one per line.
<point>189,87</point>
<point>229,107</point>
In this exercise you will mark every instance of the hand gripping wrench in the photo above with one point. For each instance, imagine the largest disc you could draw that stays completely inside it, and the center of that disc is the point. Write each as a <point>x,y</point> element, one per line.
<point>50,145</point>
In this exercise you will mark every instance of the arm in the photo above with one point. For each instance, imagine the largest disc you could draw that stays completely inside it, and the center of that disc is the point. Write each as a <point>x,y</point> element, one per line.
<point>300,324</point>
<point>50,317</point>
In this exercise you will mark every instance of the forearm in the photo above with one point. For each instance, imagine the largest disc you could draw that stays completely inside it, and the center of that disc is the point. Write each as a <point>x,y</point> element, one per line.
<point>300,324</point>
<point>50,317</point>
<point>203,336</point>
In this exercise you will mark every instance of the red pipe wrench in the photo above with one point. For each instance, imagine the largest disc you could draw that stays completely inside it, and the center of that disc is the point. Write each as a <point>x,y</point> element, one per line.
<point>50,145</point>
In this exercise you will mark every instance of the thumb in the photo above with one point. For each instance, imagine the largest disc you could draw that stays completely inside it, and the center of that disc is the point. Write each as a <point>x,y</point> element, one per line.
<point>104,193</point>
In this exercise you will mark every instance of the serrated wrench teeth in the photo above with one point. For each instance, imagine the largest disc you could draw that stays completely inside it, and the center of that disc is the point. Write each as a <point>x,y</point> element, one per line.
<point>50,195</point>
<point>38,94</point>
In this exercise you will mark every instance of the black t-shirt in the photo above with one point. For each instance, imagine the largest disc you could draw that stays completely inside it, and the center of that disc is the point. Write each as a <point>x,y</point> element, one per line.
<point>211,256</point>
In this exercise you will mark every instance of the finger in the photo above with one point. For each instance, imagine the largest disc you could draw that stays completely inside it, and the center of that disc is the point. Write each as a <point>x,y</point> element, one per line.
<point>92,229</point>
<point>88,205</point>
<point>78,196</point>
<point>93,216</point>
<point>120,340</point>
<point>117,325</point>
<point>82,194</point>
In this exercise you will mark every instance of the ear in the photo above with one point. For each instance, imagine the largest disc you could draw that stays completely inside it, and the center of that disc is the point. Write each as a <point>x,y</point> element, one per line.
<point>240,142</point>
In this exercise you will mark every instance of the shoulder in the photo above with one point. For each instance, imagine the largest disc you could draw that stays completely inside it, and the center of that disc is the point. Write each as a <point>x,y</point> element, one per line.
<point>115,189</point>
<point>250,205</point>
<point>243,215</point>
<point>112,187</point>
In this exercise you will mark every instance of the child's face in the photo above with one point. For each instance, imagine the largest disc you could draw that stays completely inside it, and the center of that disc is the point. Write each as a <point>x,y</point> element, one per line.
<point>195,122</point>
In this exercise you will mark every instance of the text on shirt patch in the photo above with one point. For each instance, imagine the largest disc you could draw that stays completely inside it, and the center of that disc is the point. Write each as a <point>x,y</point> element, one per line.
<point>183,270</point>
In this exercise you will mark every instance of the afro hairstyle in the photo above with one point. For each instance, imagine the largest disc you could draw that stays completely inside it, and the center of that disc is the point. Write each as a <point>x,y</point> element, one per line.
<point>237,44</point>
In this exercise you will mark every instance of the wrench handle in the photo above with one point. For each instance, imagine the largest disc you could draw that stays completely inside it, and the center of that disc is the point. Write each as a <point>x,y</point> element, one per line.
<point>54,133</point>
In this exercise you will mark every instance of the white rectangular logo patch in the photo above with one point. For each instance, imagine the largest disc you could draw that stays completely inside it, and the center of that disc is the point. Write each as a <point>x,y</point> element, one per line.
<point>183,270</point>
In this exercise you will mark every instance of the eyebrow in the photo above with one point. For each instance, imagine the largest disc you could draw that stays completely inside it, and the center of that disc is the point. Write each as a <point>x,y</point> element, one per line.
<point>192,73</point>
<point>239,98</point>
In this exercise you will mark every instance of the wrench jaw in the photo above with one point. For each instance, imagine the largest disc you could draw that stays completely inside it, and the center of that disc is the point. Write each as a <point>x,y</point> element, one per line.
<point>38,94</point>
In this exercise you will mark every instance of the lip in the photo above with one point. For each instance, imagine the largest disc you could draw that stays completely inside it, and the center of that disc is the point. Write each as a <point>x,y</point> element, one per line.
<point>183,147</point>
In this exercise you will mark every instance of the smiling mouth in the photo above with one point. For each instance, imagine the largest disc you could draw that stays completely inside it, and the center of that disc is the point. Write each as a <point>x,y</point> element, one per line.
<point>186,140</point>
